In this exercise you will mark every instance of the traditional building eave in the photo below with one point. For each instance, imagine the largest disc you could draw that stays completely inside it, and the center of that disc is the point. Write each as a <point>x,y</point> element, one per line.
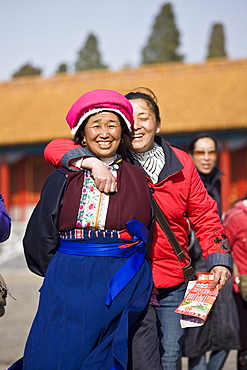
<point>201,97</point>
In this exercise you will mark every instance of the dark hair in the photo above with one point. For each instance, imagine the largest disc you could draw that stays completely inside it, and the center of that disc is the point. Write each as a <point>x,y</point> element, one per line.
<point>191,145</point>
<point>149,96</point>
<point>78,137</point>
<point>238,200</point>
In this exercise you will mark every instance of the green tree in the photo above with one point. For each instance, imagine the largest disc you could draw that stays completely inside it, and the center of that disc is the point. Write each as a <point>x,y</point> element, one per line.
<point>89,56</point>
<point>62,68</point>
<point>27,70</point>
<point>216,47</point>
<point>164,40</point>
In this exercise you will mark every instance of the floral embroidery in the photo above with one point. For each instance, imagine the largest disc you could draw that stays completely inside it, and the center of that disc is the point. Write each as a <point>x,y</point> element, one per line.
<point>93,204</point>
<point>221,241</point>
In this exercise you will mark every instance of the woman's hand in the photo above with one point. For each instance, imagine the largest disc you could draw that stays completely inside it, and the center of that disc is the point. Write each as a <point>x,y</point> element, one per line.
<point>102,176</point>
<point>221,276</point>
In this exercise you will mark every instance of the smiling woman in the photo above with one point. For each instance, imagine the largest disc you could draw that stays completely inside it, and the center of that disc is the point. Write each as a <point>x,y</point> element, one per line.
<point>91,248</point>
<point>145,127</point>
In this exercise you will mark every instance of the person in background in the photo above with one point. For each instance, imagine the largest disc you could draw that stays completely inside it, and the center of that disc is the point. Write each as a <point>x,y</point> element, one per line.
<point>178,190</point>
<point>5,228</point>
<point>218,334</point>
<point>91,247</point>
<point>235,222</point>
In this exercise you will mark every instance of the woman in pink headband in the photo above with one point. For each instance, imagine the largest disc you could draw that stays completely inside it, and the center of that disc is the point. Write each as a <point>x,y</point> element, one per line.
<point>90,247</point>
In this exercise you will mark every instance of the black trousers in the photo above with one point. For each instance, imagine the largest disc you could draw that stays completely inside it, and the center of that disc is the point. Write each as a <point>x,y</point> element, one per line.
<point>144,346</point>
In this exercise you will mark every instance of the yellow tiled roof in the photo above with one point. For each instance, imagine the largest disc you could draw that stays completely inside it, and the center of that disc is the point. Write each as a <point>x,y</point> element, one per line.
<point>210,96</point>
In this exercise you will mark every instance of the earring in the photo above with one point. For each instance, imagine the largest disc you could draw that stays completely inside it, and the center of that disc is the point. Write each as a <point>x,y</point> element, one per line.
<point>121,141</point>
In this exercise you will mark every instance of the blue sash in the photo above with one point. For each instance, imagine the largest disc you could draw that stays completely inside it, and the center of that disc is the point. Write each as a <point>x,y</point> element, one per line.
<point>135,254</point>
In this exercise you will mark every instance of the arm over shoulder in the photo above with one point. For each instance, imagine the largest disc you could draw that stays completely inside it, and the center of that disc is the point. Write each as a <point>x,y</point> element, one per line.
<point>55,150</point>
<point>60,152</point>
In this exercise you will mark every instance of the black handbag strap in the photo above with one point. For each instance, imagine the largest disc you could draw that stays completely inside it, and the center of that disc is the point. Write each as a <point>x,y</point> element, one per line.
<point>189,272</point>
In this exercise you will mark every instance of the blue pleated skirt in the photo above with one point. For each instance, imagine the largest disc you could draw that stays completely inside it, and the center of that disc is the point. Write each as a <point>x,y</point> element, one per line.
<point>74,329</point>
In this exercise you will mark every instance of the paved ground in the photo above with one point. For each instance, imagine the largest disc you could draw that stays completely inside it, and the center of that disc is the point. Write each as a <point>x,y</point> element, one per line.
<point>15,324</point>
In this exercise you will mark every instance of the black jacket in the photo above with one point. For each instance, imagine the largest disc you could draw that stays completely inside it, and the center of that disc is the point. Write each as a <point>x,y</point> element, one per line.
<point>39,247</point>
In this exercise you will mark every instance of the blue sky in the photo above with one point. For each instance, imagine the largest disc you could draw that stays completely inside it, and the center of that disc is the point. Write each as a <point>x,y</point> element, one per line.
<point>47,33</point>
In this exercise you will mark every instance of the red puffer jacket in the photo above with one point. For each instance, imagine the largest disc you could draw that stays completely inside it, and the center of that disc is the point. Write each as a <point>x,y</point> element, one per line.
<point>235,223</point>
<point>182,197</point>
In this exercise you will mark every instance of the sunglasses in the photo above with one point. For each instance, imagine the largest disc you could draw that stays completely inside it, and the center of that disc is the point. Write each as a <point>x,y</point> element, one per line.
<point>202,153</point>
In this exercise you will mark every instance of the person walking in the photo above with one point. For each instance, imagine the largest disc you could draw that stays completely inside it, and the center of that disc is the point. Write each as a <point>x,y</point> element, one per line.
<point>218,334</point>
<point>181,195</point>
<point>235,222</point>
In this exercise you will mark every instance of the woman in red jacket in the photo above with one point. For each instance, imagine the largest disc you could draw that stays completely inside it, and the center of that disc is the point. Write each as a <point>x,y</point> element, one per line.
<point>235,223</point>
<point>178,190</point>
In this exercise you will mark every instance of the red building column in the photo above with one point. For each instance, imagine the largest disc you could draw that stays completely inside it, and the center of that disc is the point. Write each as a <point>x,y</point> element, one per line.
<point>5,182</point>
<point>225,167</point>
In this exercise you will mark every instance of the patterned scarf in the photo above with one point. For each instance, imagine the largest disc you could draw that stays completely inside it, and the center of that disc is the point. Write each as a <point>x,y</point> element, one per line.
<point>152,161</point>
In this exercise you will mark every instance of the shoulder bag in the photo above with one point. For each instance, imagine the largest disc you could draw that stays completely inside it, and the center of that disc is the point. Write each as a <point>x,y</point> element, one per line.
<point>189,272</point>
